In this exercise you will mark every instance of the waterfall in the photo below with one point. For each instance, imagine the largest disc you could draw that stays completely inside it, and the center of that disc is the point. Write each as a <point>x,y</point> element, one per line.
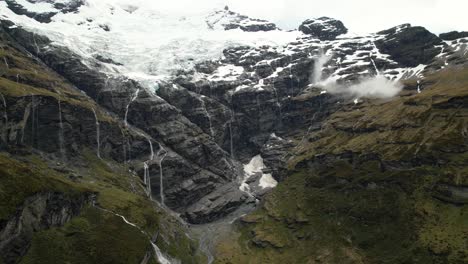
<point>419,86</point>
<point>61,138</point>
<point>203,104</point>
<point>151,148</point>
<point>230,134</point>
<point>162,153</point>
<point>375,66</point>
<point>147,179</point>
<point>33,116</point>
<point>278,103</point>
<point>135,96</point>
<point>159,256</point>
<point>6,63</point>
<point>35,44</point>
<point>98,139</point>
<point>146,171</point>
<point>320,61</point>
<point>291,81</point>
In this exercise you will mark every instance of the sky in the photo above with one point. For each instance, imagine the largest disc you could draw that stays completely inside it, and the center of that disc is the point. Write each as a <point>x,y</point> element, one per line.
<point>359,16</point>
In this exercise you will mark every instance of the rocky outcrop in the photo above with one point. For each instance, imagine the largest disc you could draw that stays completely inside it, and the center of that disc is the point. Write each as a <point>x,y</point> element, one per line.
<point>452,194</point>
<point>39,212</point>
<point>55,7</point>
<point>409,46</point>
<point>219,203</point>
<point>453,35</point>
<point>323,28</point>
<point>229,20</point>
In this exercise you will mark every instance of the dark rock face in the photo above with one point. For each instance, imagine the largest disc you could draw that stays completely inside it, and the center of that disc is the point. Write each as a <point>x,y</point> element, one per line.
<point>45,17</point>
<point>39,212</point>
<point>453,35</point>
<point>195,166</point>
<point>323,28</point>
<point>225,200</point>
<point>20,10</point>
<point>409,46</point>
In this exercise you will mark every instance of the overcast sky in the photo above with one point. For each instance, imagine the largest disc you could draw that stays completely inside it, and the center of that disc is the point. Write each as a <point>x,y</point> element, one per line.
<point>360,16</point>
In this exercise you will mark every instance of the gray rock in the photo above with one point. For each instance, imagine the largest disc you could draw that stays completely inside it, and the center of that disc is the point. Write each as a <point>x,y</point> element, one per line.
<point>323,28</point>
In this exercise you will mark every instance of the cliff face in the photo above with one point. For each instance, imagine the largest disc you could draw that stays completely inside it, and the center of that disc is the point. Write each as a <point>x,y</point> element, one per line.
<point>65,178</point>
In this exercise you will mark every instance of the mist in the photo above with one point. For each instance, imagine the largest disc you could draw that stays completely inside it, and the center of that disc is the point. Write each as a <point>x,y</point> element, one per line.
<point>377,86</point>
<point>370,87</point>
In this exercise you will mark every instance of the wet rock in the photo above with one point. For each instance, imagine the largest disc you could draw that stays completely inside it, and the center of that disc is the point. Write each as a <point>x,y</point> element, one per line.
<point>221,202</point>
<point>40,212</point>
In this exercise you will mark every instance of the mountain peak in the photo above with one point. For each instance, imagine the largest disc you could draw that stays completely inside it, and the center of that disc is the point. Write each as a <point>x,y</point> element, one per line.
<point>323,28</point>
<point>226,19</point>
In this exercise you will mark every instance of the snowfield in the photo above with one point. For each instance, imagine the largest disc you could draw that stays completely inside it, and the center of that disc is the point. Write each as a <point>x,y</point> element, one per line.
<point>149,44</point>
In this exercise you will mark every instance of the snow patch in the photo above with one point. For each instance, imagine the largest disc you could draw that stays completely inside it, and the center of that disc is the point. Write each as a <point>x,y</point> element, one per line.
<point>255,166</point>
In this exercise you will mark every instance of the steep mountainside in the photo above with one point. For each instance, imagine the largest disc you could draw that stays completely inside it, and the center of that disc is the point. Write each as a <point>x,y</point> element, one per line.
<point>116,116</point>
<point>379,182</point>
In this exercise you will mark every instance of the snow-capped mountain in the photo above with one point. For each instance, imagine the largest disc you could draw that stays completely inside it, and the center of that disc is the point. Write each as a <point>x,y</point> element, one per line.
<point>144,44</point>
<point>217,68</point>
<point>204,112</point>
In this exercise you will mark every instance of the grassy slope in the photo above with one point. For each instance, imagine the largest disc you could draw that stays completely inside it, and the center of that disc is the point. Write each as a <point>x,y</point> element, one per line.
<point>358,210</point>
<point>94,236</point>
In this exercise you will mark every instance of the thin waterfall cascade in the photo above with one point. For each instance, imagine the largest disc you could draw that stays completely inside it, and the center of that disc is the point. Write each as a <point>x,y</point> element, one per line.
<point>6,63</point>
<point>61,137</point>
<point>278,104</point>
<point>35,44</point>
<point>124,147</point>
<point>135,96</point>
<point>419,86</point>
<point>230,134</point>
<point>98,134</point>
<point>147,179</point>
<point>33,118</point>
<point>162,153</point>
<point>375,66</point>
<point>151,149</point>
<point>320,62</point>
<point>207,114</point>
<point>372,60</point>
<point>158,255</point>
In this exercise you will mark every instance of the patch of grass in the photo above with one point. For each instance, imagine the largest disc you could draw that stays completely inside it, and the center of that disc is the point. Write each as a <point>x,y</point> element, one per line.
<point>94,237</point>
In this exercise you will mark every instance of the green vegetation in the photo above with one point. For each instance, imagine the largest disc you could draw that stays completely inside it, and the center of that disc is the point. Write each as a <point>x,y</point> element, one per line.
<point>94,237</point>
<point>25,77</point>
<point>365,189</point>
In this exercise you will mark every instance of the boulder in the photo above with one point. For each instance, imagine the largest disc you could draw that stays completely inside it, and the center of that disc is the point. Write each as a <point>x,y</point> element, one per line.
<point>323,28</point>
<point>409,46</point>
